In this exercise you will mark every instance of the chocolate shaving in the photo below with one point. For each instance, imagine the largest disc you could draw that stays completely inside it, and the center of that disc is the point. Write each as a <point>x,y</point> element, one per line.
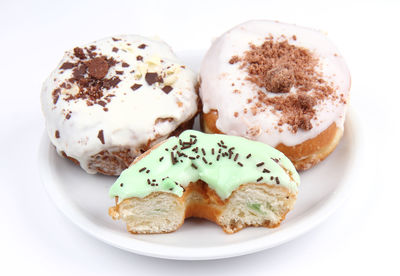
<point>167,89</point>
<point>78,52</point>
<point>100,135</point>
<point>152,78</point>
<point>56,94</point>
<point>278,67</point>
<point>97,67</point>
<point>67,65</point>
<point>136,86</point>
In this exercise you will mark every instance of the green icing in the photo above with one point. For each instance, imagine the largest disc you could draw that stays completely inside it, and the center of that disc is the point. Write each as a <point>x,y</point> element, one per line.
<point>223,162</point>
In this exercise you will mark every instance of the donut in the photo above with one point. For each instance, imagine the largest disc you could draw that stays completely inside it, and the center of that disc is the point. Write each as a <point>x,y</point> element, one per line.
<point>280,84</point>
<point>230,180</point>
<point>111,100</point>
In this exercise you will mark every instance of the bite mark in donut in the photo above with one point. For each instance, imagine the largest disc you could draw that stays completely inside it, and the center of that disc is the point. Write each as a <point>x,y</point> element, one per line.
<point>216,177</point>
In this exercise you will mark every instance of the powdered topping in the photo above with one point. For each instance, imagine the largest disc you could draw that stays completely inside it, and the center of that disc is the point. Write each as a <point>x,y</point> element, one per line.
<point>277,66</point>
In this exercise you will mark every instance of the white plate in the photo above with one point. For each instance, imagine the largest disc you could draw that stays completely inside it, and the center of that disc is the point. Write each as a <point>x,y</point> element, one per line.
<point>83,198</point>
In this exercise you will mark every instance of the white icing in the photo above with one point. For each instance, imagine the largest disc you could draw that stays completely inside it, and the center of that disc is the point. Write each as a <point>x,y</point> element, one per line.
<point>131,116</point>
<point>217,77</point>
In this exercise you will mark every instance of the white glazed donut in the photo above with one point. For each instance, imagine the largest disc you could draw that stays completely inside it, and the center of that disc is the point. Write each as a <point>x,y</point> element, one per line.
<point>280,84</point>
<point>110,100</point>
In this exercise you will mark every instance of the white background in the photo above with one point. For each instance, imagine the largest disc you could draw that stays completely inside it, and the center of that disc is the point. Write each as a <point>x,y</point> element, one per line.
<point>362,237</point>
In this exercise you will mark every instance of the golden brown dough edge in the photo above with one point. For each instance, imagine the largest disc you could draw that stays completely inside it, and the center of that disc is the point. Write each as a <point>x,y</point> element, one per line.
<point>208,205</point>
<point>305,155</point>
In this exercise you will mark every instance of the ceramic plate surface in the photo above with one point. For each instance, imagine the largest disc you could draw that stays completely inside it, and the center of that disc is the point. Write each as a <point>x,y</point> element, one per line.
<point>84,199</point>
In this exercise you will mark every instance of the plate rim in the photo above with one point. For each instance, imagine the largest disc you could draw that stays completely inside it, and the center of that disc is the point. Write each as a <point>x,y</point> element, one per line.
<point>112,237</point>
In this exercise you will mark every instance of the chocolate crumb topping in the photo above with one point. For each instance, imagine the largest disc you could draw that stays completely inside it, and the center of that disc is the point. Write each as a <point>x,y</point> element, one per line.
<point>57,134</point>
<point>78,52</point>
<point>277,66</point>
<point>136,86</point>
<point>97,67</point>
<point>140,58</point>
<point>279,79</point>
<point>115,49</point>
<point>124,64</point>
<point>167,89</point>
<point>234,59</point>
<point>116,39</point>
<point>142,46</point>
<point>100,135</point>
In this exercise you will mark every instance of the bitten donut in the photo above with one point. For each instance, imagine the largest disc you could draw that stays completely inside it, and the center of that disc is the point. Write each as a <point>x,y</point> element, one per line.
<point>280,84</point>
<point>229,180</point>
<point>111,100</point>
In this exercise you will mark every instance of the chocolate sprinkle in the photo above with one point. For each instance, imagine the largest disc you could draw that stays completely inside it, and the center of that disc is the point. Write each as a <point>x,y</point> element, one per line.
<point>115,49</point>
<point>260,164</point>
<point>124,64</point>
<point>57,134</point>
<point>259,179</point>
<point>142,169</point>
<point>248,156</point>
<point>240,164</point>
<point>204,160</point>
<point>142,46</point>
<point>236,157</point>
<point>194,166</point>
<point>266,171</point>
<point>161,158</point>
<point>140,58</point>
<point>173,160</point>
<point>100,135</point>
<point>121,185</point>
